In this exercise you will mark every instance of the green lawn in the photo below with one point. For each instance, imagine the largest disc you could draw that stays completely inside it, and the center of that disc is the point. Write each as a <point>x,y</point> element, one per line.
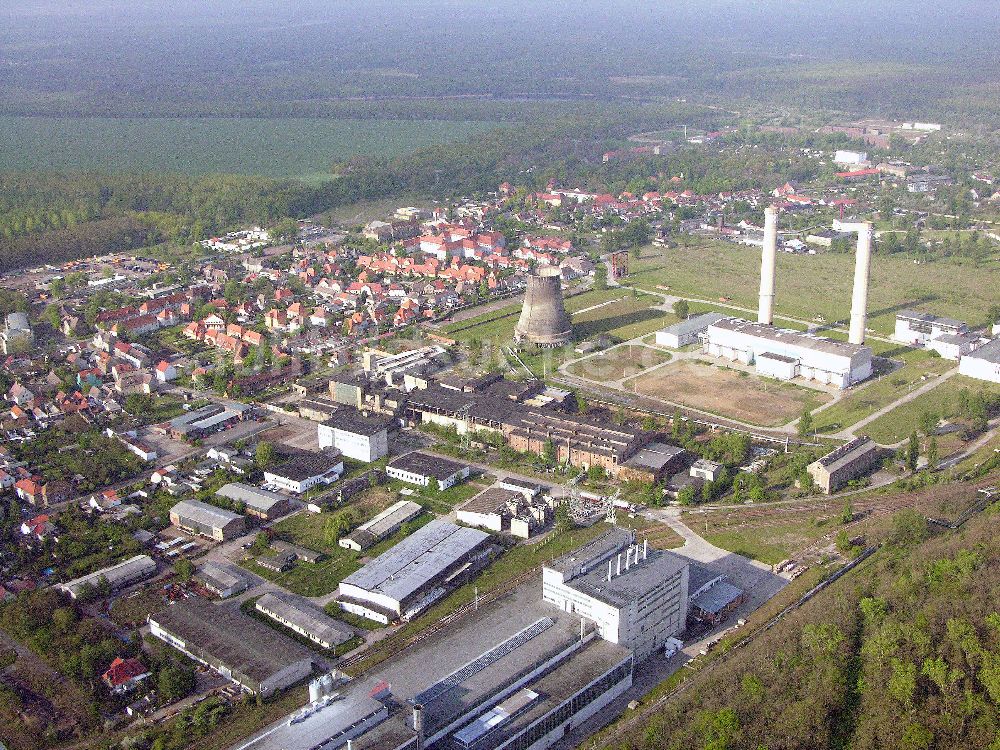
<point>281,147</point>
<point>862,401</point>
<point>818,285</point>
<point>621,362</point>
<point>942,400</point>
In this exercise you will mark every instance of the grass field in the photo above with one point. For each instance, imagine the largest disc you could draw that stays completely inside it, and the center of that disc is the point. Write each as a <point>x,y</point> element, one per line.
<point>620,362</point>
<point>303,148</point>
<point>728,393</point>
<point>877,394</point>
<point>942,400</point>
<point>819,285</point>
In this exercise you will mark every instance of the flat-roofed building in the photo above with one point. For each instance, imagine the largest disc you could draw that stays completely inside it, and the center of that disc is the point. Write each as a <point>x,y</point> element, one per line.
<point>208,419</point>
<point>355,434</point>
<point>298,614</point>
<point>789,354</point>
<point>954,346</point>
<point>114,577</point>
<point>637,598</point>
<point>381,526</point>
<point>223,579</point>
<point>197,517</point>
<point>306,471</point>
<point>238,647</point>
<point>413,574</point>
<point>423,468</point>
<point>259,502</point>
<point>984,363</point>
<point>687,331</point>
<point>918,328</point>
<point>848,462</point>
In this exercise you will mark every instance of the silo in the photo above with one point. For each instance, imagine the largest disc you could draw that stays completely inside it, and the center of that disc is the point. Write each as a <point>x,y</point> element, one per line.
<point>543,318</point>
<point>315,690</point>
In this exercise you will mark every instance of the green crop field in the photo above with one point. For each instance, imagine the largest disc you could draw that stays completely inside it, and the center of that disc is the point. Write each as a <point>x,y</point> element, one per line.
<point>304,148</point>
<point>818,287</point>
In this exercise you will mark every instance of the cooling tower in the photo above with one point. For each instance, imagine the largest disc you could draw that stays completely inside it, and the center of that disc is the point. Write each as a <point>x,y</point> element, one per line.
<point>543,318</point>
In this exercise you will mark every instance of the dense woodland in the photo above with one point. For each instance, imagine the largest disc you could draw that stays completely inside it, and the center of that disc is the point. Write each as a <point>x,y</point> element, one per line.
<point>902,654</point>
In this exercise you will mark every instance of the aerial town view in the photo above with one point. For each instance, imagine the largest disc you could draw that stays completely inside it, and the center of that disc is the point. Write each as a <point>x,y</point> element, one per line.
<point>474,375</point>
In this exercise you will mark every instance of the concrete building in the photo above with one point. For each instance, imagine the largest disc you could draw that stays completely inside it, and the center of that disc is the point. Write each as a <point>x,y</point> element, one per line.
<point>259,502</point>
<point>115,577</point>
<point>17,335</point>
<point>984,363</point>
<point>413,574</point>
<point>223,579</point>
<point>848,462</point>
<point>915,328</point>
<point>507,511</point>
<point>356,435</point>
<point>422,469</point>
<point>705,469</point>
<point>543,318</point>
<point>687,331</point>
<point>954,346</point>
<point>305,471</point>
<point>237,647</point>
<point>206,420</point>
<point>653,463</point>
<point>636,597</point>
<point>790,353</point>
<point>712,596</point>
<point>381,526</point>
<point>299,615</point>
<point>207,520</point>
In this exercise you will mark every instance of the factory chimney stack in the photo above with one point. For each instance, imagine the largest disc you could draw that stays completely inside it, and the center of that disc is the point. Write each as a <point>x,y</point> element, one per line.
<point>769,258</point>
<point>862,273</point>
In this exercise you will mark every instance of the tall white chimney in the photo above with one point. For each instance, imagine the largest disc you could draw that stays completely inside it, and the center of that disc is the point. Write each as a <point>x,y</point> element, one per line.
<point>862,273</point>
<point>765,313</point>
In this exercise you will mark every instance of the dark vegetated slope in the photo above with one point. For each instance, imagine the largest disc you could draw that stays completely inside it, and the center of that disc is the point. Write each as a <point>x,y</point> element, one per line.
<point>903,653</point>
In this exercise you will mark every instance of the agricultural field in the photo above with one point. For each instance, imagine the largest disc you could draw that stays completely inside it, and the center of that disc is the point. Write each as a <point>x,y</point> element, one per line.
<point>728,393</point>
<point>942,400</point>
<point>864,400</point>
<point>620,362</point>
<point>303,148</point>
<point>710,269</point>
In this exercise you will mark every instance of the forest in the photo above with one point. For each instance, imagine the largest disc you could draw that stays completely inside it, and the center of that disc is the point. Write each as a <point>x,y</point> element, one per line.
<point>901,654</point>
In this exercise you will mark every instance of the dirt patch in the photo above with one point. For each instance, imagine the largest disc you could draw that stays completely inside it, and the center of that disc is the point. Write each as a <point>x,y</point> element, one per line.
<point>728,393</point>
<point>620,362</point>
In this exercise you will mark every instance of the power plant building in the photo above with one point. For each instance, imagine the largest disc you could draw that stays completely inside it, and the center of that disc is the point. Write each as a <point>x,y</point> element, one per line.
<point>635,599</point>
<point>786,354</point>
<point>984,363</point>
<point>543,318</point>
<point>687,331</point>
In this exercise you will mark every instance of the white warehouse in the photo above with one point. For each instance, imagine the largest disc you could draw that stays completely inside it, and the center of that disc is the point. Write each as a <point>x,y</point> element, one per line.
<point>983,364</point>
<point>785,354</point>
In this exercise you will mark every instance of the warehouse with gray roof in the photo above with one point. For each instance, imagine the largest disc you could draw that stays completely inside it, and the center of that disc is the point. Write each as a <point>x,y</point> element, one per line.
<point>296,613</point>
<point>413,574</point>
<point>115,577</point>
<point>381,526</point>
<point>197,517</point>
<point>236,646</point>
<point>223,579</point>
<point>848,462</point>
<point>259,502</point>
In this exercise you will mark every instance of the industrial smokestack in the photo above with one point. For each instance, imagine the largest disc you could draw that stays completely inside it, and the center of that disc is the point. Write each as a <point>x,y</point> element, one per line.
<point>768,260</point>
<point>543,318</point>
<point>862,273</point>
<point>418,724</point>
